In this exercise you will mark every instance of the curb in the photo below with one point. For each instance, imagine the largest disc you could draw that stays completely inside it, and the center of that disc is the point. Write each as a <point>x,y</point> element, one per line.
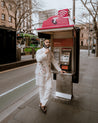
<point>16,64</point>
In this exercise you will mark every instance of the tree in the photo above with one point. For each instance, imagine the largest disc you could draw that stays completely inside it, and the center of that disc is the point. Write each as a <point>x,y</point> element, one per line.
<point>22,10</point>
<point>92,8</point>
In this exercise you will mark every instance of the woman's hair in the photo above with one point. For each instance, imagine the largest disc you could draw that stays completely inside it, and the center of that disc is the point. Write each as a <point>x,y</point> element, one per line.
<point>46,39</point>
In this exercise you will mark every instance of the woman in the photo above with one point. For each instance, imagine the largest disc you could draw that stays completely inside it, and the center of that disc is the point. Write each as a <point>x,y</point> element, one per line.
<point>44,59</point>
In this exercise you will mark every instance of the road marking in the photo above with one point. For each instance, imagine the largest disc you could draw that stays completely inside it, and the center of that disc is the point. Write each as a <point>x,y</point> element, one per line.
<point>16,87</point>
<point>16,68</point>
<point>8,111</point>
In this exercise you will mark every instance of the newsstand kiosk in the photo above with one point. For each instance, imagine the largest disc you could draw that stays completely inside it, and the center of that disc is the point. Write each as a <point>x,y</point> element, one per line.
<point>64,37</point>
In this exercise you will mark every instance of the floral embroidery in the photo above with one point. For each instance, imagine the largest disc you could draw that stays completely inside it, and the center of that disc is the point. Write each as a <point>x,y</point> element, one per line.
<point>43,68</point>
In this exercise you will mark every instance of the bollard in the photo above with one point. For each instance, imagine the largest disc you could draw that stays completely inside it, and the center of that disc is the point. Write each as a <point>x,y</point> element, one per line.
<point>18,54</point>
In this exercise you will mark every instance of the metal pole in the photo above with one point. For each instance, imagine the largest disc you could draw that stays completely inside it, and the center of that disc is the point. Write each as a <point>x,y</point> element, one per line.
<point>89,45</point>
<point>74,11</point>
<point>96,48</point>
<point>97,11</point>
<point>89,38</point>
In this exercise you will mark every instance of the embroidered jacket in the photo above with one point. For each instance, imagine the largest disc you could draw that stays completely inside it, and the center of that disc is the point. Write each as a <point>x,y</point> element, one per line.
<point>44,61</point>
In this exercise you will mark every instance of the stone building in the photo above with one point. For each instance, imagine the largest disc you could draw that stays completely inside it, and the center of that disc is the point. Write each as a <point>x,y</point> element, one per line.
<point>40,16</point>
<point>7,15</point>
<point>44,15</point>
<point>5,19</point>
<point>86,34</point>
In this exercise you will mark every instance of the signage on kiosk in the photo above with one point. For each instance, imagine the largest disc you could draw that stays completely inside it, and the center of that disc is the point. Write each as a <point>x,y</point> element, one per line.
<point>58,21</point>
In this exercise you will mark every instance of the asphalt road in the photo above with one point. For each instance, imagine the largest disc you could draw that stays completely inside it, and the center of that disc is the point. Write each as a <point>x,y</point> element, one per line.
<point>12,78</point>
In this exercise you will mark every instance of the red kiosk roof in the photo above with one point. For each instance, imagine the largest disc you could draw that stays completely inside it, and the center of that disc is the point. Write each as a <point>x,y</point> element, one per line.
<point>61,20</point>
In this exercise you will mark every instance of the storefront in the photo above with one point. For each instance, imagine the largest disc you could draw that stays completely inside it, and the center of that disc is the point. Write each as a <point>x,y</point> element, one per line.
<point>7,45</point>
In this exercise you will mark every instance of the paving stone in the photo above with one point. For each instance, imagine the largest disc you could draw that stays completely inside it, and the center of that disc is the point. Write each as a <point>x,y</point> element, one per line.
<point>13,121</point>
<point>93,117</point>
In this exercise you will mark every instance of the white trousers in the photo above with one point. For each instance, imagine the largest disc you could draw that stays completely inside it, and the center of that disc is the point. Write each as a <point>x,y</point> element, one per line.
<point>44,91</point>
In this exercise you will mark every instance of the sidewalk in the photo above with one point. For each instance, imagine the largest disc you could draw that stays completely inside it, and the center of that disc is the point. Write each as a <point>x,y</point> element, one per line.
<point>25,60</point>
<point>26,57</point>
<point>82,109</point>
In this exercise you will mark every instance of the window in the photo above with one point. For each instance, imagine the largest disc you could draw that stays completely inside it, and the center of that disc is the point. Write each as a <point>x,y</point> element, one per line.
<point>81,43</point>
<point>10,19</point>
<point>82,35</point>
<point>10,7</point>
<point>2,3</point>
<point>3,16</point>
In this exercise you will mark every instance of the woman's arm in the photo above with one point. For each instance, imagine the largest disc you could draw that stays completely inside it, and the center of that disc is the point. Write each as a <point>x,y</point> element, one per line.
<point>54,62</point>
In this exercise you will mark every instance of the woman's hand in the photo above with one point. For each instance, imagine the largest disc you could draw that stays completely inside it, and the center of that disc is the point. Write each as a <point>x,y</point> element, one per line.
<point>62,71</point>
<point>47,51</point>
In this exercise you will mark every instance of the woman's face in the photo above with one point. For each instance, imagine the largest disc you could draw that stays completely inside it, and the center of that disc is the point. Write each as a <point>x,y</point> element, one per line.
<point>47,43</point>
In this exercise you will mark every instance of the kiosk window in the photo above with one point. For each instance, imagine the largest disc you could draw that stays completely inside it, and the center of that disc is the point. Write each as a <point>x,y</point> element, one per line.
<point>57,54</point>
<point>65,56</point>
<point>65,59</point>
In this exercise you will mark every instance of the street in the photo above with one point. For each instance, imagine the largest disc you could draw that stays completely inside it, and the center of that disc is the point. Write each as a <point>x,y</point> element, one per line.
<point>12,78</point>
<point>15,84</point>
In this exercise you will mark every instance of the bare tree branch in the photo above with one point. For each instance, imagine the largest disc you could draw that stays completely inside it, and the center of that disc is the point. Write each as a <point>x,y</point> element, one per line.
<point>22,17</point>
<point>94,15</point>
<point>85,2</point>
<point>92,5</point>
<point>21,13</point>
<point>87,8</point>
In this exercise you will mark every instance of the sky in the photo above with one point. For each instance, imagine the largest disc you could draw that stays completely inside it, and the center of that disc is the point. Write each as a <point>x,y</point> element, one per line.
<point>63,4</point>
<point>57,4</point>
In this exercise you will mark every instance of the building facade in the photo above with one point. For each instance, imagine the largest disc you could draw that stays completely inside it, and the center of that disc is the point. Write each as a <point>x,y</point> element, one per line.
<point>85,35</point>
<point>5,19</point>
<point>44,15</point>
<point>20,19</point>
<point>40,16</point>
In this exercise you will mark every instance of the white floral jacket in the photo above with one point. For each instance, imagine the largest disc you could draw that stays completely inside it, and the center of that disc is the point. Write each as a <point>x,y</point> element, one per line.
<point>44,63</point>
